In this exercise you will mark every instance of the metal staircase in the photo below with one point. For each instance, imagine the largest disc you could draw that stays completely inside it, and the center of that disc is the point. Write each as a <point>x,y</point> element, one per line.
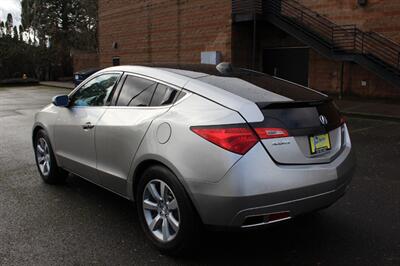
<point>371,50</point>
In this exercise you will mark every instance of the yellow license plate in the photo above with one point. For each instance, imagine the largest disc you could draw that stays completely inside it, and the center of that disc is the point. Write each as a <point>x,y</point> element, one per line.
<point>319,143</point>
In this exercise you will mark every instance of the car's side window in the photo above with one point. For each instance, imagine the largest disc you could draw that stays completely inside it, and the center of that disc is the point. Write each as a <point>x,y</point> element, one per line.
<point>179,96</point>
<point>163,95</point>
<point>136,92</point>
<point>96,92</point>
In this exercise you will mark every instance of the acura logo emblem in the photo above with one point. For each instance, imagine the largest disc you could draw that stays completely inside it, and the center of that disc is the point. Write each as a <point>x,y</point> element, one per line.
<point>323,120</point>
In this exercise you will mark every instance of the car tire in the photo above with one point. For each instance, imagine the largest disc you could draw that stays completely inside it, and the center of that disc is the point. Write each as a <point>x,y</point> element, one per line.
<point>178,242</point>
<point>46,161</point>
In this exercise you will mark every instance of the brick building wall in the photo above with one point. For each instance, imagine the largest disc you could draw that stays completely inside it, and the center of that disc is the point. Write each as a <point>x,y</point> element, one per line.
<point>177,31</point>
<point>83,60</point>
<point>163,31</point>
<point>381,16</point>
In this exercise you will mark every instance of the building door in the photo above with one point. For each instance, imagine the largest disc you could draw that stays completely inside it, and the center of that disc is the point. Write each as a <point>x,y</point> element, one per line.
<point>287,63</point>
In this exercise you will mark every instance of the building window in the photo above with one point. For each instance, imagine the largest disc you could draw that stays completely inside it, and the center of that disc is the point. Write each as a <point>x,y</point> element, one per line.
<point>115,61</point>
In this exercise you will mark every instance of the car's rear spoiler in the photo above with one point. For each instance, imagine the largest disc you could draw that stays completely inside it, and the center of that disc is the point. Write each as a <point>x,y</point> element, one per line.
<point>292,104</point>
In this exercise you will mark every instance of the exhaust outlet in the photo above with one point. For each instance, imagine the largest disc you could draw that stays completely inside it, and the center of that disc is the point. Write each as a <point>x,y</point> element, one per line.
<point>263,219</point>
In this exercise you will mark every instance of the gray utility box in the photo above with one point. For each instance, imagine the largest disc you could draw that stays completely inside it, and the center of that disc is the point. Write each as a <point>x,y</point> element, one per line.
<point>211,57</point>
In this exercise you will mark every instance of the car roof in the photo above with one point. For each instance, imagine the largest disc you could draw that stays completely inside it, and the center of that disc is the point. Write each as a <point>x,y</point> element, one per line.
<point>254,86</point>
<point>152,72</point>
<point>88,71</point>
<point>185,71</point>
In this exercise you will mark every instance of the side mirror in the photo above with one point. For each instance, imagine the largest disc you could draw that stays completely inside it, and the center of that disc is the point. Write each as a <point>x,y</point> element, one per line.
<point>61,100</point>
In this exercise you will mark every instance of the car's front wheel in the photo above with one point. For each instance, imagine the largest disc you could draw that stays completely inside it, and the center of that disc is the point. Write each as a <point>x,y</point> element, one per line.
<point>45,160</point>
<point>166,212</point>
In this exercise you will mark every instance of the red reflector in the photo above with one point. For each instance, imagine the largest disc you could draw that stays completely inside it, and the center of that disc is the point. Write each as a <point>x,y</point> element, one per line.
<point>269,133</point>
<point>235,139</point>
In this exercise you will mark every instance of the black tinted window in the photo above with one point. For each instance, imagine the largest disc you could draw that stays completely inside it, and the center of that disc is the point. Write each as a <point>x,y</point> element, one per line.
<point>163,95</point>
<point>259,87</point>
<point>96,92</point>
<point>299,116</point>
<point>181,94</point>
<point>136,92</point>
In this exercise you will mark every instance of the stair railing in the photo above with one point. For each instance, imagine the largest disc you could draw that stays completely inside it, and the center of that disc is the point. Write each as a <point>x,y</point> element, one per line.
<point>342,39</point>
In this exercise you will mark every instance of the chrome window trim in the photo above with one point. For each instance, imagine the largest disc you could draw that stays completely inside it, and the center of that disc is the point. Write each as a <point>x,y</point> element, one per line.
<point>173,86</point>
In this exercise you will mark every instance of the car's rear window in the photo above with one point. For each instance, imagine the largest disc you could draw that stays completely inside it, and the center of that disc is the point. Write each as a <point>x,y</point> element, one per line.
<point>259,87</point>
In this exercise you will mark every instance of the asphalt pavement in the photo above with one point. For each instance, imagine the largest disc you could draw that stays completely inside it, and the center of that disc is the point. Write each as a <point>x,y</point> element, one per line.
<point>81,224</point>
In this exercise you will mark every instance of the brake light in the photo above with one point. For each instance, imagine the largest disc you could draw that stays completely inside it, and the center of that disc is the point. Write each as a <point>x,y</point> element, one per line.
<point>235,139</point>
<point>270,133</point>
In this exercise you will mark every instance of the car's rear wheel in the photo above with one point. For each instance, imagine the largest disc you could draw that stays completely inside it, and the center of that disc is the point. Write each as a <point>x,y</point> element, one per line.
<point>166,212</point>
<point>45,160</point>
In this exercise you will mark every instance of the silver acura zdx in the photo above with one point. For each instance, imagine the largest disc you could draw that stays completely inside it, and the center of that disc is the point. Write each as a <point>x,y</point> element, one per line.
<point>197,145</point>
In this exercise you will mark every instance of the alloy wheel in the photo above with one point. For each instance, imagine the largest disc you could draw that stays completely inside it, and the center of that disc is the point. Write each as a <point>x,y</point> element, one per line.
<point>43,156</point>
<point>161,210</point>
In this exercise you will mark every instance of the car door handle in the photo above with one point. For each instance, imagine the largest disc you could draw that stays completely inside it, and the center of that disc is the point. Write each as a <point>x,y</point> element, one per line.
<point>88,125</point>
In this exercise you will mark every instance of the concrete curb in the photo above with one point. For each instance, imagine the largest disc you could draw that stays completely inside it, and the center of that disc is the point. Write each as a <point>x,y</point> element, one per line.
<point>371,116</point>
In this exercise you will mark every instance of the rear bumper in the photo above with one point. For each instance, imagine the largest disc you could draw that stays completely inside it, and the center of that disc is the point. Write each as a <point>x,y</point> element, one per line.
<point>256,185</point>
<point>294,207</point>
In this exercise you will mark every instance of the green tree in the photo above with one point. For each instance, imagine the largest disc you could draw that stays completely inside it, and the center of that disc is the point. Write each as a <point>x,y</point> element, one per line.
<point>21,33</point>
<point>1,28</point>
<point>18,57</point>
<point>9,24</point>
<point>66,24</point>
<point>15,33</point>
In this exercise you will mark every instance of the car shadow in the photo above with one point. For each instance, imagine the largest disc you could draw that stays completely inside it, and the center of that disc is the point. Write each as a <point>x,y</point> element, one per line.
<point>302,239</point>
<point>310,239</point>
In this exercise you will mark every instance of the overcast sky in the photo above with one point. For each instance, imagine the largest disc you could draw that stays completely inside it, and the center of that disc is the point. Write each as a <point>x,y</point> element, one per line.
<point>13,7</point>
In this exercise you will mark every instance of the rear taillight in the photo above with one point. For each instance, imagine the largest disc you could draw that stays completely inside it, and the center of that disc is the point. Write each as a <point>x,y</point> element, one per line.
<point>271,133</point>
<point>235,139</point>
